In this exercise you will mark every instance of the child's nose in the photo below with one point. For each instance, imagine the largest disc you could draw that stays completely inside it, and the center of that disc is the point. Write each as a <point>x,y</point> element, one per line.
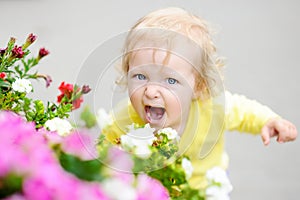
<point>152,91</point>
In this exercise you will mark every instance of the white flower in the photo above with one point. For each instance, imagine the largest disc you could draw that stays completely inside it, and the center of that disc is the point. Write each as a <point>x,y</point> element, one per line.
<point>216,193</point>
<point>127,141</point>
<point>141,136</point>
<point>139,140</point>
<point>217,175</point>
<point>219,185</point>
<point>22,85</point>
<point>118,190</point>
<point>142,151</point>
<point>103,118</point>
<point>171,133</point>
<point>61,126</point>
<point>188,168</point>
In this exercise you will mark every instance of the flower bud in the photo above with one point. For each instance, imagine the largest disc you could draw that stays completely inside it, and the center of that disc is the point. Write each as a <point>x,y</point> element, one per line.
<point>12,41</point>
<point>42,53</point>
<point>47,78</point>
<point>85,89</point>
<point>30,39</point>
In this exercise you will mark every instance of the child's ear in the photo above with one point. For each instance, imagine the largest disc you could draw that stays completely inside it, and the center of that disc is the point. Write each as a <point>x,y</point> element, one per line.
<point>199,89</point>
<point>197,94</point>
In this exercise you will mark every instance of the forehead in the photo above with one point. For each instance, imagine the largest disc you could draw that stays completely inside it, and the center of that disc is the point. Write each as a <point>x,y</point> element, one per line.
<point>160,57</point>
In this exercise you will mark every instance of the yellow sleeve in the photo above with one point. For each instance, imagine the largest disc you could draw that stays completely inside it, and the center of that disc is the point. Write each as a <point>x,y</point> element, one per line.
<point>245,115</point>
<point>123,115</point>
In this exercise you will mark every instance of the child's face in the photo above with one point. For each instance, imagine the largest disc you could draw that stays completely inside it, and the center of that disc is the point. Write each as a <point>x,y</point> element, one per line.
<point>161,91</point>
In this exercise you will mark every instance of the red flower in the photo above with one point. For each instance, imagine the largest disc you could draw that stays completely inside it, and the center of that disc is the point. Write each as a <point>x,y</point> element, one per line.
<point>76,103</point>
<point>66,90</point>
<point>59,97</point>
<point>2,75</point>
<point>17,52</point>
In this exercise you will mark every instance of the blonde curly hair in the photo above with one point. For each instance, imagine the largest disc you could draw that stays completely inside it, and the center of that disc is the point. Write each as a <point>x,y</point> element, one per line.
<point>178,32</point>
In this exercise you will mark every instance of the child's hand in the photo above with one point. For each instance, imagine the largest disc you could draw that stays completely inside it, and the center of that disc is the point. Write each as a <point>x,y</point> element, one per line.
<point>284,130</point>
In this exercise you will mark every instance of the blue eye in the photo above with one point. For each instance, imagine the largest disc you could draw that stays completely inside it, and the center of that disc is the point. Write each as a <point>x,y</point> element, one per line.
<point>140,77</point>
<point>172,81</point>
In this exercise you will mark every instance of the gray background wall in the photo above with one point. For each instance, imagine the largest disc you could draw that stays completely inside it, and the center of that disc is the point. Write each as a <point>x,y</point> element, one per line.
<point>260,40</point>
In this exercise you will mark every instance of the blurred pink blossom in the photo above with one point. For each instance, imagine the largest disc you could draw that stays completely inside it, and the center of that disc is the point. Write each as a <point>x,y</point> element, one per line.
<point>119,160</point>
<point>15,197</point>
<point>81,145</point>
<point>28,155</point>
<point>149,188</point>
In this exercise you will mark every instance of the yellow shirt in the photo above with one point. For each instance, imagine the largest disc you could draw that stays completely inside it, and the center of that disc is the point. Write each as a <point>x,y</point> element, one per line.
<point>203,137</point>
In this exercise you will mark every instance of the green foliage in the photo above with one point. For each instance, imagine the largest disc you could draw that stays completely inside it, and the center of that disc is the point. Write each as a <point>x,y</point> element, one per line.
<point>14,65</point>
<point>87,170</point>
<point>10,184</point>
<point>88,117</point>
<point>163,163</point>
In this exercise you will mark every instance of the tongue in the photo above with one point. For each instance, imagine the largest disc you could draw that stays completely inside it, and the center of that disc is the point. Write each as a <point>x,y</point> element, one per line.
<point>156,113</point>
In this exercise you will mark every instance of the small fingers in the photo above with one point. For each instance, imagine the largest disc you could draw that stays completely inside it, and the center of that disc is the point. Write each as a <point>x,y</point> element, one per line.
<point>287,133</point>
<point>265,135</point>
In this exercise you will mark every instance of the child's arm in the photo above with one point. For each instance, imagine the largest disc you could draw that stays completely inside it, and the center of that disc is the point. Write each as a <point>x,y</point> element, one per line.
<point>250,116</point>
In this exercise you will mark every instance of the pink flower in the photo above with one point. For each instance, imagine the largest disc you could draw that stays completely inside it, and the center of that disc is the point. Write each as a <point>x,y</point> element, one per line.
<point>54,183</point>
<point>17,52</point>
<point>36,188</point>
<point>16,140</point>
<point>80,145</point>
<point>90,191</point>
<point>119,160</point>
<point>149,188</point>
<point>52,138</point>
<point>28,155</point>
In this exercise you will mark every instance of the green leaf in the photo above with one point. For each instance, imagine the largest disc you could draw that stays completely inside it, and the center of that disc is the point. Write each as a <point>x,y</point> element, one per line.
<point>39,107</point>
<point>4,84</point>
<point>88,118</point>
<point>10,184</point>
<point>26,66</point>
<point>87,170</point>
<point>17,68</point>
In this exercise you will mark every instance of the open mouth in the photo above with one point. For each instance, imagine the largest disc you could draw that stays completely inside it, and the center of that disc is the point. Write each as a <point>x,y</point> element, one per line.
<point>154,113</point>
